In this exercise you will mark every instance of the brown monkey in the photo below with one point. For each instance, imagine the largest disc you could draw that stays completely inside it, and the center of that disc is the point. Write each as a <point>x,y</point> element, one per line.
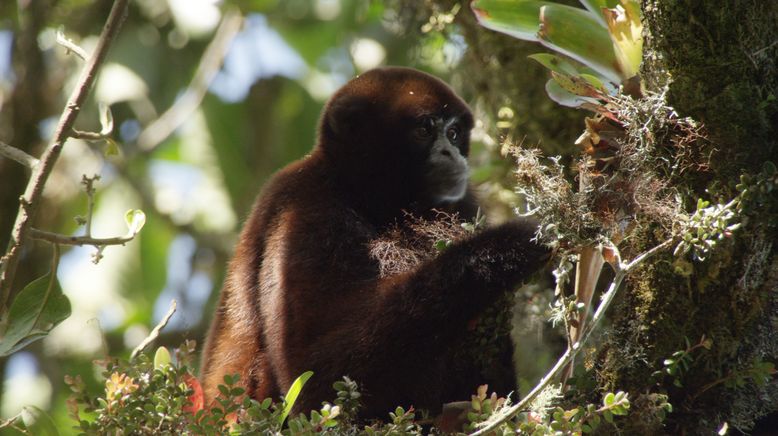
<point>303,292</point>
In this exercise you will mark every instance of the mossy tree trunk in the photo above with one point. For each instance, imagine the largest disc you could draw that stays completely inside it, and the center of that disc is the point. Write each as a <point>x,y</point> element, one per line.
<point>718,61</point>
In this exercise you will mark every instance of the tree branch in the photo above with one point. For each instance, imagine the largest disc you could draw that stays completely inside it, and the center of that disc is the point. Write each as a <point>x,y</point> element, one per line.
<point>89,136</point>
<point>70,45</point>
<point>18,155</point>
<point>621,271</point>
<point>155,332</point>
<point>58,238</point>
<point>190,100</point>
<point>41,172</point>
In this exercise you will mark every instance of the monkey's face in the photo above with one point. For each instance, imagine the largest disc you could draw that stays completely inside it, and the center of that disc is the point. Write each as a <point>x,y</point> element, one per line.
<point>399,133</point>
<point>443,140</point>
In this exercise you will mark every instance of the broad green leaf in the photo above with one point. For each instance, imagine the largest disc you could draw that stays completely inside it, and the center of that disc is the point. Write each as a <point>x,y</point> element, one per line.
<point>37,422</point>
<point>37,309</point>
<point>517,18</point>
<point>565,98</point>
<point>555,63</point>
<point>293,393</point>
<point>135,219</point>
<point>577,33</point>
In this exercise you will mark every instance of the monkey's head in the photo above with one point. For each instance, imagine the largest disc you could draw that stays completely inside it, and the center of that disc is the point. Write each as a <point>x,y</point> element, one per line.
<point>400,133</point>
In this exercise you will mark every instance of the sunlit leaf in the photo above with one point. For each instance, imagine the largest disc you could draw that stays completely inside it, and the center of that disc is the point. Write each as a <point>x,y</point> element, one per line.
<point>293,393</point>
<point>626,32</point>
<point>569,84</point>
<point>517,18</point>
<point>565,98</point>
<point>37,309</point>
<point>594,81</point>
<point>135,219</point>
<point>161,358</point>
<point>577,33</point>
<point>596,6</point>
<point>106,119</point>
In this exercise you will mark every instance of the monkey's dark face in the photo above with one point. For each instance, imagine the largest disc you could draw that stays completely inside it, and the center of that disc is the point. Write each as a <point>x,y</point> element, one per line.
<point>400,131</point>
<point>444,143</point>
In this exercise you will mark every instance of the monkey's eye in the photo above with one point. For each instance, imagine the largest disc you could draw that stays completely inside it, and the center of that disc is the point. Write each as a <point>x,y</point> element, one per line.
<point>453,133</point>
<point>426,128</point>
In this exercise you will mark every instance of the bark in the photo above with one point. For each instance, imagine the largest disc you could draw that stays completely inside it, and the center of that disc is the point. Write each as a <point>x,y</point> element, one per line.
<point>718,60</point>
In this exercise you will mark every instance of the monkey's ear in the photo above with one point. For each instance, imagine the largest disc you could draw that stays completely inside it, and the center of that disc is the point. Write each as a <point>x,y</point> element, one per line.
<point>345,116</point>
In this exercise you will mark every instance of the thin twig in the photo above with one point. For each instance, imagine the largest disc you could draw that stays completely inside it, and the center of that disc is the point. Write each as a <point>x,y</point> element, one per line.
<point>41,172</point>
<point>89,187</point>
<point>14,153</point>
<point>155,332</point>
<point>88,136</point>
<point>621,271</point>
<point>190,100</point>
<point>58,238</point>
<point>70,45</point>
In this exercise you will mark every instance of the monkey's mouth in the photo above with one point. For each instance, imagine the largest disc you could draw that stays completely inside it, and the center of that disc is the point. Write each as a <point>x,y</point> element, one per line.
<point>446,187</point>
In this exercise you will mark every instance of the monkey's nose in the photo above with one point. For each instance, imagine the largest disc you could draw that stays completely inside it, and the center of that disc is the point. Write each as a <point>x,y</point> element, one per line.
<point>445,152</point>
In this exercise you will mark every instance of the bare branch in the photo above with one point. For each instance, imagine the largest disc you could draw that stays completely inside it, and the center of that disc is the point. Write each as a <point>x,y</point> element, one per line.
<point>70,45</point>
<point>88,136</point>
<point>182,109</point>
<point>638,260</point>
<point>155,332</point>
<point>14,153</point>
<point>40,173</point>
<point>58,238</point>
<point>569,354</point>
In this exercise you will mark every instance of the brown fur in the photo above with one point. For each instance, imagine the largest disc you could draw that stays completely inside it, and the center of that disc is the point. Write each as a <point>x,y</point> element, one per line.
<point>303,291</point>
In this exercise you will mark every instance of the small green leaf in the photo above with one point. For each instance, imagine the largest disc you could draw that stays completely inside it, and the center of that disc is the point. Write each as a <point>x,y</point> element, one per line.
<point>111,148</point>
<point>38,422</point>
<point>609,399</point>
<point>37,309</point>
<point>608,416</point>
<point>441,245</point>
<point>161,358</point>
<point>292,394</point>
<point>135,219</point>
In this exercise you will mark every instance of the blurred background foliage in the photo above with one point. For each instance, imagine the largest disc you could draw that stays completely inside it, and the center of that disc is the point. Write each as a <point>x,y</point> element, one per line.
<point>259,113</point>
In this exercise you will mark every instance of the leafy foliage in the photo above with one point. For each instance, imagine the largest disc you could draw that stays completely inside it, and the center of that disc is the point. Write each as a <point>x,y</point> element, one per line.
<point>161,396</point>
<point>37,309</point>
<point>605,37</point>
